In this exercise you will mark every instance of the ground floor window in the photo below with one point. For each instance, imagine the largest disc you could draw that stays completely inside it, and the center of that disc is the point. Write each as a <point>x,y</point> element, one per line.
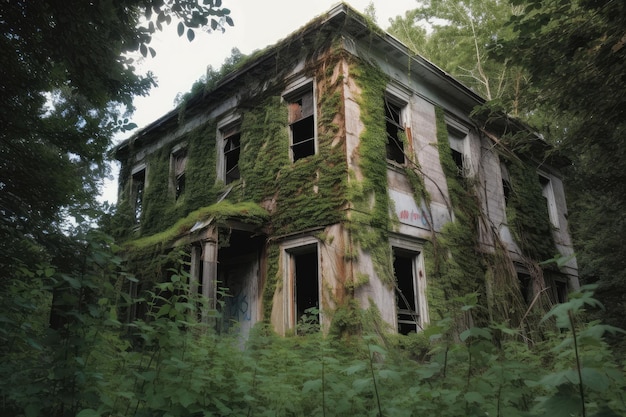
<point>411,312</point>
<point>303,288</point>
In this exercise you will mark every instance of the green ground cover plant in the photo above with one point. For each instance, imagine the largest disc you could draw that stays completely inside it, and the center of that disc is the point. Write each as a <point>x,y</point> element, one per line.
<point>173,364</point>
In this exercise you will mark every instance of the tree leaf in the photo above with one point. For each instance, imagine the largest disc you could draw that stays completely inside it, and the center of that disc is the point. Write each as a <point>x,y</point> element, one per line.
<point>190,34</point>
<point>312,385</point>
<point>180,28</point>
<point>143,49</point>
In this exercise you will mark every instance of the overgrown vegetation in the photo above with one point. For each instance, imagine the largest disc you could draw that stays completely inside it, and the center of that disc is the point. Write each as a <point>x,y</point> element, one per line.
<point>174,365</point>
<point>370,219</point>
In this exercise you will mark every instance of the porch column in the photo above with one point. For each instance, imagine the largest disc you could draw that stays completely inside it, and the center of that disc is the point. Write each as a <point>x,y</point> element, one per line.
<point>194,274</point>
<point>209,276</point>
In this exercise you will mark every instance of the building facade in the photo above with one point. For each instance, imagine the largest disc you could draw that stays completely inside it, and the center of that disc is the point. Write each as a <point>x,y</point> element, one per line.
<point>338,170</point>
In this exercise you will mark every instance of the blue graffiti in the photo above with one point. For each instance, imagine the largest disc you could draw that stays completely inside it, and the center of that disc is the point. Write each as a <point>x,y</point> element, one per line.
<point>238,307</point>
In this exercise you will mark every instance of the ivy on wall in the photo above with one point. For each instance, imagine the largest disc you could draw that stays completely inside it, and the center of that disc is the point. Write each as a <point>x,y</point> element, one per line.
<point>527,213</point>
<point>454,262</point>
<point>370,220</point>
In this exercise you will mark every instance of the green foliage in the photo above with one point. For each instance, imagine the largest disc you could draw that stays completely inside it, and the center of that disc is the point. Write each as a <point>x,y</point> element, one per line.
<point>175,365</point>
<point>456,264</point>
<point>457,36</point>
<point>370,219</point>
<point>307,193</point>
<point>68,84</point>
<point>527,213</point>
<point>575,54</point>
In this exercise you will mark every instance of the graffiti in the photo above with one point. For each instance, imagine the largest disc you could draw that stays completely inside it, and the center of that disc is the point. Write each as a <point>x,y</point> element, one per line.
<point>412,216</point>
<point>239,308</point>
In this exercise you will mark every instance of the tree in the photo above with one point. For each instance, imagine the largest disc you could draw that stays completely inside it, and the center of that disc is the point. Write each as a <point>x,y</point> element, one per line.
<point>67,86</point>
<point>457,35</point>
<point>575,53</point>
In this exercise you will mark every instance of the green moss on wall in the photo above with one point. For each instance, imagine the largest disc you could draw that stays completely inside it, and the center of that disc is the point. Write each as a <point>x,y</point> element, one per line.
<point>527,213</point>
<point>273,279</point>
<point>264,148</point>
<point>455,266</point>
<point>370,218</point>
<point>305,194</point>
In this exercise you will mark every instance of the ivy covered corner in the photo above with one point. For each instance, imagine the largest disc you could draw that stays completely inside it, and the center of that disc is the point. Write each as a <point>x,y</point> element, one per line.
<point>337,172</point>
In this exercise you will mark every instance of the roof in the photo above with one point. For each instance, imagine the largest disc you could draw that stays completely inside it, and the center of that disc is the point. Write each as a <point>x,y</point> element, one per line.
<point>339,19</point>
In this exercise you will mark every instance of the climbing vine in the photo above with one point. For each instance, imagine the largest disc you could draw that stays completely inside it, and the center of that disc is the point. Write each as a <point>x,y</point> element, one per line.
<point>454,262</point>
<point>370,220</point>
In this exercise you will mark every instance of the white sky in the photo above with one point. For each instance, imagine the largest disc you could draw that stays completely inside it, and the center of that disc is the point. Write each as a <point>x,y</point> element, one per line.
<point>179,63</point>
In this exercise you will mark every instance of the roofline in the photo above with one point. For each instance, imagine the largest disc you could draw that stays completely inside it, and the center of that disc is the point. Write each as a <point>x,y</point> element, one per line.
<point>338,11</point>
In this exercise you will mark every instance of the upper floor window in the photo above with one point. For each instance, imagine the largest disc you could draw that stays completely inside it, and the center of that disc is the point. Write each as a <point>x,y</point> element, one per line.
<point>394,123</point>
<point>548,194</point>
<point>138,185</point>
<point>301,122</point>
<point>459,148</point>
<point>231,136</point>
<point>506,184</point>
<point>178,166</point>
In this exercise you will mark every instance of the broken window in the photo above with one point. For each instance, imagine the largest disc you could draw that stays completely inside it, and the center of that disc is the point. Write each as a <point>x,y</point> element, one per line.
<point>138,185</point>
<point>179,163</point>
<point>303,281</point>
<point>302,123</point>
<point>506,184</point>
<point>548,194</point>
<point>232,145</point>
<point>526,287</point>
<point>395,131</point>
<point>560,290</point>
<point>458,150</point>
<point>407,270</point>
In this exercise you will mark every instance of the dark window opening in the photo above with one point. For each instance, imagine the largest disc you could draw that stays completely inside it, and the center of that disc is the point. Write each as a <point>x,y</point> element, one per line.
<point>506,189</point>
<point>306,277</point>
<point>180,185</point>
<point>406,294</point>
<point>560,291</point>
<point>179,161</point>
<point>302,125</point>
<point>232,148</point>
<point>458,160</point>
<point>526,287</point>
<point>138,184</point>
<point>393,122</point>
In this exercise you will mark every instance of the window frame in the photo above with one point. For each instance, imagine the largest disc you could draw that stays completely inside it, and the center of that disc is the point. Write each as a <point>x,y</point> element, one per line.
<point>547,190</point>
<point>289,251</point>
<point>227,128</point>
<point>415,252</point>
<point>296,92</point>
<point>399,96</point>
<point>459,141</point>
<point>139,170</point>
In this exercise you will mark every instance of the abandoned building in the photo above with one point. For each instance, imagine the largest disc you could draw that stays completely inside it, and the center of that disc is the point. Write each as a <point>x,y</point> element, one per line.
<point>335,170</point>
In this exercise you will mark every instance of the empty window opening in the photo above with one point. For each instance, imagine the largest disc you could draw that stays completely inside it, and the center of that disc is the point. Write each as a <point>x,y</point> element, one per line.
<point>548,194</point>
<point>304,263</point>
<point>404,267</point>
<point>458,160</point>
<point>506,184</point>
<point>232,146</point>
<point>138,184</point>
<point>302,124</point>
<point>179,161</point>
<point>560,291</point>
<point>526,287</point>
<point>395,132</point>
<point>458,141</point>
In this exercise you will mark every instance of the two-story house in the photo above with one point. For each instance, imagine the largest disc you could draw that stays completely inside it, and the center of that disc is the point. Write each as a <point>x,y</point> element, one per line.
<point>337,170</point>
